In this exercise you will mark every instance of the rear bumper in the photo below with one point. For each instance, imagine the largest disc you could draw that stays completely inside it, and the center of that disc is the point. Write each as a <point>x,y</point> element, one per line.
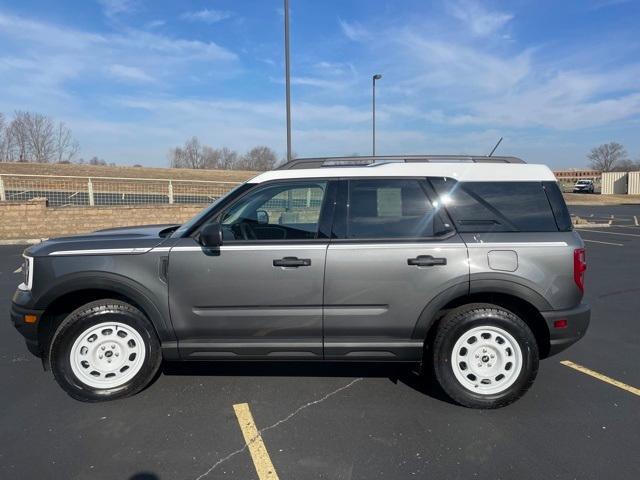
<point>577,323</point>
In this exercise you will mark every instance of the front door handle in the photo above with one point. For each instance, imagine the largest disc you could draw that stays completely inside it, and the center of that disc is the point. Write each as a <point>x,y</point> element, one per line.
<point>292,262</point>
<point>426,261</point>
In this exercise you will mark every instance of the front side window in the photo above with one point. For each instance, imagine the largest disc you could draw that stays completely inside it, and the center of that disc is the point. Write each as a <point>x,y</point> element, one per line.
<point>282,211</point>
<point>388,208</point>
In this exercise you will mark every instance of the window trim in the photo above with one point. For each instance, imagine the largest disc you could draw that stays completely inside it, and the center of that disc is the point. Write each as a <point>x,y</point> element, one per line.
<point>341,214</point>
<point>321,239</point>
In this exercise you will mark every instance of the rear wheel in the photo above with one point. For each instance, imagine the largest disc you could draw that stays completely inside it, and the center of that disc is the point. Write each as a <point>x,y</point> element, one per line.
<point>104,350</point>
<point>484,356</point>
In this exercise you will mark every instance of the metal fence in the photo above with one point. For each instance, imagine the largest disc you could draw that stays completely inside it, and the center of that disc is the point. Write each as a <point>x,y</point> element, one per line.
<point>63,191</point>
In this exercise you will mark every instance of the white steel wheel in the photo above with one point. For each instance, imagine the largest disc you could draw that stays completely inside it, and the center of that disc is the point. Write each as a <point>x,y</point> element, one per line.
<point>107,355</point>
<point>486,360</point>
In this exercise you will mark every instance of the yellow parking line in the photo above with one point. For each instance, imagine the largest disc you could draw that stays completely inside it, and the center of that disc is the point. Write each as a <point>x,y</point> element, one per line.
<point>253,439</point>
<point>601,377</point>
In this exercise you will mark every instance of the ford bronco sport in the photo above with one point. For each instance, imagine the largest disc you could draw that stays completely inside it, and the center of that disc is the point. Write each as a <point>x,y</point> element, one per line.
<point>468,265</point>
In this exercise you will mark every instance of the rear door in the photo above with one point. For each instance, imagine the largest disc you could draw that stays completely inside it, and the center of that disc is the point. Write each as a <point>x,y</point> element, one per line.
<point>393,252</point>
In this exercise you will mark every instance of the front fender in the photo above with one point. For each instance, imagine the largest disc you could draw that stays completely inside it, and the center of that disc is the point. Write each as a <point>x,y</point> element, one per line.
<point>154,307</point>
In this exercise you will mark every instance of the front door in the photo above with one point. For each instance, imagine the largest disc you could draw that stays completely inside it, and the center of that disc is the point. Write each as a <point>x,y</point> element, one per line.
<point>394,253</point>
<point>259,295</point>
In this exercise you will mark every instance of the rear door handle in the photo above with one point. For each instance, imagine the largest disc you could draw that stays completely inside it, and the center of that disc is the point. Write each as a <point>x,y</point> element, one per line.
<point>292,262</point>
<point>426,261</point>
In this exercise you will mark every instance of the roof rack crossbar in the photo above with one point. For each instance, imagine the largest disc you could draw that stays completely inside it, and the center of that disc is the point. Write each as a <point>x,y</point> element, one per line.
<point>369,161</point>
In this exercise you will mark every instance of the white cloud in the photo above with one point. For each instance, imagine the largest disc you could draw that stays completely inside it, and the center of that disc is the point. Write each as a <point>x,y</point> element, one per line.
<point>353,30</point>
<point>55,55</point>
<point>598,4</point>
<point>480,21</point>
<point>334,76</point>
<point>335,68</point>
<point>206,15</point>
<point>459,83</point>
<point>155,24</point>
<point>318,129</point>
<point>116,7</point>
<point>436,63</point>
<point>128,73</point>
<point>445,89</point>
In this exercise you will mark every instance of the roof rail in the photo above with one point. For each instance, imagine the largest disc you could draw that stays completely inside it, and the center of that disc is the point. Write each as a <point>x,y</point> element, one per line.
<point>369,161</point>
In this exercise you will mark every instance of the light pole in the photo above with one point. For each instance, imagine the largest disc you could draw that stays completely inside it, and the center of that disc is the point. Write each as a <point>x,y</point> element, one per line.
<point>287,76</point>
<point>377,76</point>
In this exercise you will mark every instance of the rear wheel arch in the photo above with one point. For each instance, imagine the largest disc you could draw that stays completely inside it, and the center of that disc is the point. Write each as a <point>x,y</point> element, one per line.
<point>427,325</point>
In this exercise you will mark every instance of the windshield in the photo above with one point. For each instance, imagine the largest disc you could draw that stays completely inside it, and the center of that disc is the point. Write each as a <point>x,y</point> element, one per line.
<point>188,225</point>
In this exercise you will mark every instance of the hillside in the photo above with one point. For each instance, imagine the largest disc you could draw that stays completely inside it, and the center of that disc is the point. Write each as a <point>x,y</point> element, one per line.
<point>124,172</point>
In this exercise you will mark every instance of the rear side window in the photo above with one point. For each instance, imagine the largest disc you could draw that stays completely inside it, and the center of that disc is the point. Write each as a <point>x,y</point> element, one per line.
<point>394,208</point>
<point>496,206</point>
<point>558,205</point>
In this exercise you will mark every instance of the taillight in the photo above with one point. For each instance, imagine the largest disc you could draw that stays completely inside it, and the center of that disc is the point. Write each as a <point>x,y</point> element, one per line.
<point>579,266</point>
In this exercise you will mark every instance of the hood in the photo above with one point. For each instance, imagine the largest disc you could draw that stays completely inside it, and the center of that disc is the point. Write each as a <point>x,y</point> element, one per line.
<point>142,238</point>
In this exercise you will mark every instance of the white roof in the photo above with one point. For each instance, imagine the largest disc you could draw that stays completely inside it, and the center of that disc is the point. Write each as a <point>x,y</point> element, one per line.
<point>466,172</point>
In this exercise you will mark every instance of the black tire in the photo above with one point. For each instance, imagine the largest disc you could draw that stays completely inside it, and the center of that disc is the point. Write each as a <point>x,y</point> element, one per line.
<point>463,319</point>
<point>79,321</point>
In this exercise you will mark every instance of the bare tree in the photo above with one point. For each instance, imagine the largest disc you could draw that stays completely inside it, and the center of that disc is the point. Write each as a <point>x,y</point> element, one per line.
<point>33,137</point>
<point>40,135</point>
<point>3,139</point>
<point>193,154</point>
<point>627,165</point>
<point>188,156</point>
<point>259,158</point>
<point>65,147</point>
<point>228,159</point>
<point>607,156</point>
<point>18,139</point>
<point>211,157</point>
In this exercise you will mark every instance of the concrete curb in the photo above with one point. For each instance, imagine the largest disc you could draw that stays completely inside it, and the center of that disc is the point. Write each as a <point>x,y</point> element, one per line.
<point>22,241</point>
<point>591,225</point>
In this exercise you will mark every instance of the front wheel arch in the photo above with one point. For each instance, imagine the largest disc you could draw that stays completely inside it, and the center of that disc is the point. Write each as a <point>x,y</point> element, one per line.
<point>73,291</point>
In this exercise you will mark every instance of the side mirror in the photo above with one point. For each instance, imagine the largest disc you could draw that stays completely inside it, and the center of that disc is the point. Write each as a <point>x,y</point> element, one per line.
<point>211,235</point>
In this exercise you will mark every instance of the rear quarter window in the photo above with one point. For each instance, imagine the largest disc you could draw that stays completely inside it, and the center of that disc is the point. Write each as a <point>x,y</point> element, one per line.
<point>558,205</point>
<point>497,206</point>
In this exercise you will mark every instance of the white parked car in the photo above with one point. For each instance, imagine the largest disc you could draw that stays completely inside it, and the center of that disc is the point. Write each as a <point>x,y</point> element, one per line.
<point>583,186</point>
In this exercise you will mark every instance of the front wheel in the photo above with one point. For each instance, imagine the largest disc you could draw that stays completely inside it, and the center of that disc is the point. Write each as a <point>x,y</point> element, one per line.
<point>484,356</point>
<point>104,350</point>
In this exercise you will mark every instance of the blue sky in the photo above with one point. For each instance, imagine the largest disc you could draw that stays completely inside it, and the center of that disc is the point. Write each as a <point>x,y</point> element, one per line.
<point>133,78</point>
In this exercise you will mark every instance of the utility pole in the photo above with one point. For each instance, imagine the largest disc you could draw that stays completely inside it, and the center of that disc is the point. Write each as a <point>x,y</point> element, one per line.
<point>377,76</point>
<point>287,76</point>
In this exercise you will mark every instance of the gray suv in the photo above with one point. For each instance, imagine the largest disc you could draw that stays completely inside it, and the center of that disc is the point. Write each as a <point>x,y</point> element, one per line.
<point>466,265</point>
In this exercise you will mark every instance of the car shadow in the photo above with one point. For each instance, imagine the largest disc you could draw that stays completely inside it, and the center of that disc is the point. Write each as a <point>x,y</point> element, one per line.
<point>144,476</point>
<point>406,374</point>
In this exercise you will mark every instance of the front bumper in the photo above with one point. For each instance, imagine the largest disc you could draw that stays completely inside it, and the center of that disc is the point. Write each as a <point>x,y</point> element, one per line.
<point>577,323</point>
<point>20,306</point>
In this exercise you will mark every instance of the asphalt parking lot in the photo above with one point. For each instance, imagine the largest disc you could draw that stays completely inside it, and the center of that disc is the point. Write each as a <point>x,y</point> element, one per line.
<point>346,421</point>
